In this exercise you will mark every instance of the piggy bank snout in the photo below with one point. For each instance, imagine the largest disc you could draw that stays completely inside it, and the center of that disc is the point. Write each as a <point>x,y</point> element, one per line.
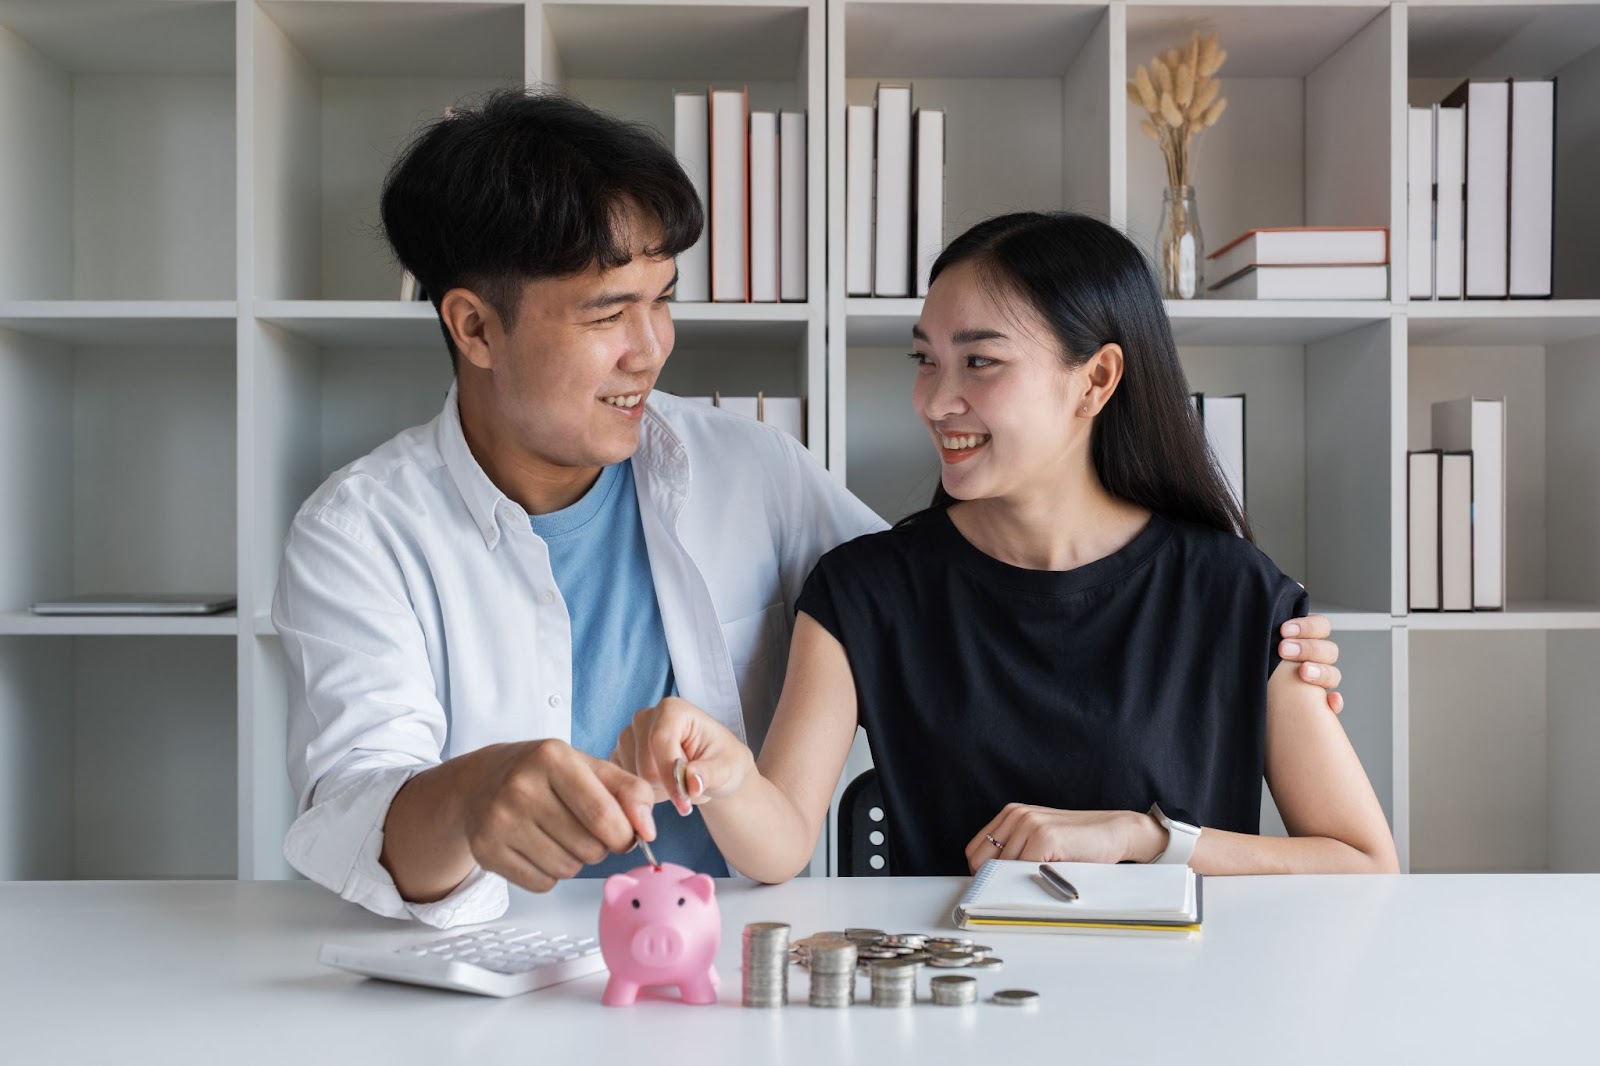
<point>658,945</point>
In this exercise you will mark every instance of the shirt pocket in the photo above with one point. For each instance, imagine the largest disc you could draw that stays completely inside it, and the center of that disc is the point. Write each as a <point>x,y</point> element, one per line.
<point>754,638</point>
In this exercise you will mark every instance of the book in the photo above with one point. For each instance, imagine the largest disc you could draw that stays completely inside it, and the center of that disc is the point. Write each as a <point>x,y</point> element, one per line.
<point>1422,530</point>
<point>891,257</point>
<point>792,205</point>
<point>730,195</point>
<point>1305,283</point>
<point>691,143</point>
<point>928,220</point>
<point>1450,175</point>
<point>763,206</point>
<point>1532,189</point>
<point>157,603</point>
<point>858,201</point>
<point>1455,531</point>
<point>1161,898</point>
<point>785,412</point>
<point>1488,105</point>
<point>1223,417</point>
<point>1419,202</point>
<point>1300,246</point>
<point>1479,426</point>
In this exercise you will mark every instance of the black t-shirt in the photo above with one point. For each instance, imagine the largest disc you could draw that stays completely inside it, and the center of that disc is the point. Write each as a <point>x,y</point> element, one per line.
<point>1140,677</point>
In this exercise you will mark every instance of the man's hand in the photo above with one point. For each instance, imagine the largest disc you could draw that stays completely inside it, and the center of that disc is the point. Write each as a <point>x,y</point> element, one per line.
<point>535,812</point>
<point>1045,834</point>
<point>1305,642</point>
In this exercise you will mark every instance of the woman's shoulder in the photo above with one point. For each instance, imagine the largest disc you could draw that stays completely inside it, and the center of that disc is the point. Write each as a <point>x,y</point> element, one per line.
<point>1227,556</point>
<point>885,547</point>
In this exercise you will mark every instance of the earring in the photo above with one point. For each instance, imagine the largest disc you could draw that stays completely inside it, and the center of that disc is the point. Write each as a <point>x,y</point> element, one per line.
<point>1084,408</point>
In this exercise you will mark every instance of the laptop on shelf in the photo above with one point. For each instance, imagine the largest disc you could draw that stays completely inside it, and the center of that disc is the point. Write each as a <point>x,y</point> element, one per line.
<point>138,603</point>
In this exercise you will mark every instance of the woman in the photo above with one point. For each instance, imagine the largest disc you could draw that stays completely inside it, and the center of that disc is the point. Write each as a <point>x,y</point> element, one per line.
<point>995,646</point>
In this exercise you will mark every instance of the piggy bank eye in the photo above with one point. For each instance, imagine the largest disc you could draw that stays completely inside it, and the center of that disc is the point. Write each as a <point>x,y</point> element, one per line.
<point>680,901</point>
<point>635,904</point>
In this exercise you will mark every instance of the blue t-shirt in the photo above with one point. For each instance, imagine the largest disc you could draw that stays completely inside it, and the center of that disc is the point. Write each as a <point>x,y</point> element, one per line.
<point>620,663</point>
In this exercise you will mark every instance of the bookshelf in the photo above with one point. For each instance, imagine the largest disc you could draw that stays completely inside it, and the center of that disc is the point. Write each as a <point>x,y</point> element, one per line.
<point>197,325</point>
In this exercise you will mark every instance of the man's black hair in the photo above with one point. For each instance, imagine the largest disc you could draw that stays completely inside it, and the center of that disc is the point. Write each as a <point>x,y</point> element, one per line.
<point>526,185</point>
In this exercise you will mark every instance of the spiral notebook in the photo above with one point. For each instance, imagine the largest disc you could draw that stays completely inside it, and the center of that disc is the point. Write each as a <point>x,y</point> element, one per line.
<point>1122,898</point>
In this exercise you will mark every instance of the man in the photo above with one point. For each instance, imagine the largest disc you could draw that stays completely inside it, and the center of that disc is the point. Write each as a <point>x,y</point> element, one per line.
<point>475,610</point>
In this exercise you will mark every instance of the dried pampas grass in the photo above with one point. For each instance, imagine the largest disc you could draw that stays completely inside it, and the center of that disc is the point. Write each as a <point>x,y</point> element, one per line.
<point>1179,93</point>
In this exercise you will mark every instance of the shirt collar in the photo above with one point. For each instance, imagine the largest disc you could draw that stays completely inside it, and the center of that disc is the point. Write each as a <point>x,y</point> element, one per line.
<point>661,451</point>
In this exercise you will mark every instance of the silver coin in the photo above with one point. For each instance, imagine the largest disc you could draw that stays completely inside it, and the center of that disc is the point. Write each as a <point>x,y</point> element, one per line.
<point>877,953</point>
<point>950,960</point>
<point>905,940</point>
<point>988,964</point>
<point>1015,997</point>
<point>981,951</point>
<point>954,990</point>
<point>946,942</point>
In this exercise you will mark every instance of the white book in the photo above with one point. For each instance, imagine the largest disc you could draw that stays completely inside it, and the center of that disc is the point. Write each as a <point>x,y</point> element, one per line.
<point>1422,530</point>
<point>930,152</point>
<point>858,201</point>
<point>409,289</point>
<point>1450,170</point>
<point>1306,283</point>
<point>1224,421</point>
<point>785,412</point>
<point>1300,246</point>
<point>1419,202</point>
<point>744,406</point>
<point>1533,158</point>
<point>892,214</point>
<point>1153,899</point>
<point>730,205</point>
<point>1479,426</point>
<point>1455,531</point>
<point>1488,119</point>
<point>763,206</point>
<point>691,142</point>
<point>792,205</point>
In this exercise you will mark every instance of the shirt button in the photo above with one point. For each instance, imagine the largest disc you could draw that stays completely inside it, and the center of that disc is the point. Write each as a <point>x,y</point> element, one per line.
<point>555,701</point>
<point>547,597</point>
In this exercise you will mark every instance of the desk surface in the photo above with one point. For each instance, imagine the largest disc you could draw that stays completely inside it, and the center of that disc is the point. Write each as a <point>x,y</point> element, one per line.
<point>1482,968</point>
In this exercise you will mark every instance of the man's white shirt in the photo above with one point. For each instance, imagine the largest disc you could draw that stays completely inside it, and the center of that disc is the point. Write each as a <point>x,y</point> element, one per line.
<point>421,619</point>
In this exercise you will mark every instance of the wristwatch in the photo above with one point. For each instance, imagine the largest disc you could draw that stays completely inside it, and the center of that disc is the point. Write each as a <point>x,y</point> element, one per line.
<point>1183,833</point>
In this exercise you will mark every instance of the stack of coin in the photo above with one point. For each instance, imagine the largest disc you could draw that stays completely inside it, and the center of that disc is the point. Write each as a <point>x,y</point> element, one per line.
<point>894,982</point>
<point>954,990</point>
<point>766,964</point>
<point>833,972</point>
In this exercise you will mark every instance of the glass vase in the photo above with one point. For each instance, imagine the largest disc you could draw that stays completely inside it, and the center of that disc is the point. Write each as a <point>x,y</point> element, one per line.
<point>1180,249</point>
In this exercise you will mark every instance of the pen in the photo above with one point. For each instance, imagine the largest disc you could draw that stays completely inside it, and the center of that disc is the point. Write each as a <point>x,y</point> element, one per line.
<point>1060,885</point>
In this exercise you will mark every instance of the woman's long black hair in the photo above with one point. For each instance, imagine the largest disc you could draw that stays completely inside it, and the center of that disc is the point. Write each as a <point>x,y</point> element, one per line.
<point>1092,286</point>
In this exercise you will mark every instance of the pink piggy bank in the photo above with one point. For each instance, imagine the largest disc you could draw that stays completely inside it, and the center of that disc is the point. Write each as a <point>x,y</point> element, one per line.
<point>660,925</point>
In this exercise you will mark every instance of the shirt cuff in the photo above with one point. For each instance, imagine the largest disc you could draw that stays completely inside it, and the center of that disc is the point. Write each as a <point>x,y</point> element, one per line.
<point>337,843</point>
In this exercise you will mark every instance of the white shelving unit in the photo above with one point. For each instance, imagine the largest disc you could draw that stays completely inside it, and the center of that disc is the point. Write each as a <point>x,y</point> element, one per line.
<point>197,326</point>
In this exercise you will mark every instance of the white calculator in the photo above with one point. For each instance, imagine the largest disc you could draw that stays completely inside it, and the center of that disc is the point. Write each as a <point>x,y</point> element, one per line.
<point>499,960</point>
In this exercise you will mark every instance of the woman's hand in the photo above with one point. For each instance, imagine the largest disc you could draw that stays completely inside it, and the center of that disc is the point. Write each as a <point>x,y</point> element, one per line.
<point>1044,834</point>
<point>1305,642</point>
<point>717,762</point>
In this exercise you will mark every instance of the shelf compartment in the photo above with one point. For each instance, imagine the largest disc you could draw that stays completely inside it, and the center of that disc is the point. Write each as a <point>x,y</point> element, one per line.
<point>126,188</point>
<point>1305,140</point>
<point>27,624</point>
<point>1448,44</point>
<point>125,456</point>
<point>339,88</point>
<point>1553,500</point>
<point>126,748</point>
<point>1502,735</point>
<point>106,323</point>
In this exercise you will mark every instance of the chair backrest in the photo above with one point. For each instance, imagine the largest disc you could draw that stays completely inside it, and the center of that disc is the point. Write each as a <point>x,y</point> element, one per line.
<point>863,829</point>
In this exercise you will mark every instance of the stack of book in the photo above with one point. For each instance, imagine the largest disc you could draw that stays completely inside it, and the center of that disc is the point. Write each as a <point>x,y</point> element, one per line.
<point>1223,417</point>
<point>1303,263</point>
<point>894,194</point>
<point>788,413</point>
<point>1480,192</point>
<point>749,168</point>
<point>1456,510</point>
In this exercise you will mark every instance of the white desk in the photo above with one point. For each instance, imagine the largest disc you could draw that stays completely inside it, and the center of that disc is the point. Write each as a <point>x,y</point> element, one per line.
<point>1493,969</point>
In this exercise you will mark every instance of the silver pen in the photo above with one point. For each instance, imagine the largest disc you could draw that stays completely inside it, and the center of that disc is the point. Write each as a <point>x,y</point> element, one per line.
<point>1058,884</point>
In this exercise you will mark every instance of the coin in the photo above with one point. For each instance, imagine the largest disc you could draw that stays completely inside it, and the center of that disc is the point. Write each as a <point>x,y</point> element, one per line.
<point>954,990</point>
<point>989,964</point>
<point>765,977</point>
<point>680,772</point>
<point>950,959</point>
<point>1015,997</point>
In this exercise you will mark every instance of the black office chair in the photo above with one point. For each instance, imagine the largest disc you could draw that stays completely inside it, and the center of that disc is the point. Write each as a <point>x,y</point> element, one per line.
<point>863,829</point>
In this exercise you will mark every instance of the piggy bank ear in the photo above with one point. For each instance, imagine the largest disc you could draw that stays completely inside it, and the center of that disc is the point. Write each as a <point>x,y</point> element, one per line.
<point>700,885</point>
<point>618,886</point>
